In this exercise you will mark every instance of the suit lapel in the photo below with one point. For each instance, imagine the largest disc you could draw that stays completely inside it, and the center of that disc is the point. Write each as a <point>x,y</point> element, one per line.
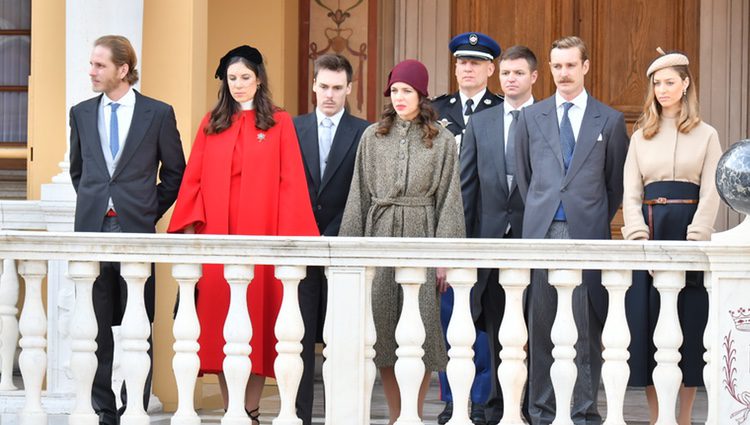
<point>455,115</point>
<point>142,117</point>
<point>90,131</point>
<point>591,127</point>
<point>308,141</point>
<point>547,122</point>
<point>342,142</point>
<point>495,134</point>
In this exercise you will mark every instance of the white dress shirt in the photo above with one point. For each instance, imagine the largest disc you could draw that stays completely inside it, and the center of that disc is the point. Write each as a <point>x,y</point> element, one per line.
<point>335,119</point>
<point>575,114</point>
<point>124,118</point>
<point>476,99</point>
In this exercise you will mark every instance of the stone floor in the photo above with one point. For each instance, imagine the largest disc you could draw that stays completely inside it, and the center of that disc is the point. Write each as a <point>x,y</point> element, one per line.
<point>636,411</point>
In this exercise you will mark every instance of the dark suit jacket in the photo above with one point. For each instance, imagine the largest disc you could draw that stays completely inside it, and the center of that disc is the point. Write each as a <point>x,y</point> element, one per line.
<point>328,193</point>
<point>448,107</point>
<point>152,146</point>
<point>489,204</point>
<point>591,190</point>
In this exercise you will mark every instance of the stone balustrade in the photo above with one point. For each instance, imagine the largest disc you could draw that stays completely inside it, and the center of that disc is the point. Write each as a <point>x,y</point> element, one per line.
<point>349,330</point>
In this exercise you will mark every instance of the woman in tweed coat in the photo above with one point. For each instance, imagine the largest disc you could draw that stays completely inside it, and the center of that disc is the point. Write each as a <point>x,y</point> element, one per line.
<point>406,184</point>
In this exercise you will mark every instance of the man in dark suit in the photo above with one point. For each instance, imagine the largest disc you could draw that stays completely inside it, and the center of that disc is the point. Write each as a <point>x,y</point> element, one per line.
<point>492,203</point>
<point>328,139</point>
<point>119,142</point>
<point>475,54</point>
<point>570,154</point>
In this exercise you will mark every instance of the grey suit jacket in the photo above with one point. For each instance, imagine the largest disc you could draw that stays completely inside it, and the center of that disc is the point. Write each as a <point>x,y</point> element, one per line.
<point>591,190</point>
<point>152,146</point>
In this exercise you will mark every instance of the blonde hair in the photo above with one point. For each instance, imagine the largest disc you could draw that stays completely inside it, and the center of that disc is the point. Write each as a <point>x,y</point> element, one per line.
<point>689,118</point>
<point>123,53</point>
<point>570,42</point>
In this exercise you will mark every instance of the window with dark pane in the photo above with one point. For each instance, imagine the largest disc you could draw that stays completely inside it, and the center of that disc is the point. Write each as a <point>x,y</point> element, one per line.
<point>15,51</point>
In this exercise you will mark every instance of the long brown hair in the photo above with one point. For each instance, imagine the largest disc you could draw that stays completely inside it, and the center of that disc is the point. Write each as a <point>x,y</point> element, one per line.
<point>650,119</point>
<point>426,119</point>
<point>227,108</point>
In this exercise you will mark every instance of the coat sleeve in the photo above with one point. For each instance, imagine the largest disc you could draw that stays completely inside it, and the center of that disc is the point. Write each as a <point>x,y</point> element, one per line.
<point>701,227</point>
<point>449,211</point>
<point>189,208</point>
<point>76,161</point>
<point>295,212</point>
<point>470,184</point>
<point>358,202</point>
<point>523,159</point>
<point>172,161</point>
<point>635,226</point>
<point>617,149</point>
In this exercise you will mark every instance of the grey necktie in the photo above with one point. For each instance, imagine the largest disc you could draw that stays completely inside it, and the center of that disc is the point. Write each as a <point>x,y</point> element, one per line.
<point>325,142</point>
<point>510,145</point>
<point>114,130</point>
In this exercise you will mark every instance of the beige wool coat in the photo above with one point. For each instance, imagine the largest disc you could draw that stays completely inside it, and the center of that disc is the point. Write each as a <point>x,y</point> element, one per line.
<point>402,188</point>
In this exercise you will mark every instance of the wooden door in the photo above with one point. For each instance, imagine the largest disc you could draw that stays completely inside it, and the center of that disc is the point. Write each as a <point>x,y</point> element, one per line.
<point>621,35</point>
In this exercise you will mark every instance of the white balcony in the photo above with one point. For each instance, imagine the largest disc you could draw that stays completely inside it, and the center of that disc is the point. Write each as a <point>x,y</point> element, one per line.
<point>348,371</point>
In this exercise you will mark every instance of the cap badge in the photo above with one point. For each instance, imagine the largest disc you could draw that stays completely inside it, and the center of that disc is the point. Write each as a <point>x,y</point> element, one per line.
<point>473,39</point>
<point>452,101</point>
<point>487,101</point>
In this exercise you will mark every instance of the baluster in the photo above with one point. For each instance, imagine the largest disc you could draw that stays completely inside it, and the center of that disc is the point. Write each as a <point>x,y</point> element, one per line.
<point>370,338</point>
<point>512,372</point>
<point>289,331</point>
<point>708,336</point>
<point>667,339</point>
<point>237,333</point>
<point>33,327</point>
<point>461,336</point>
<point>410,335</point>
<point>616,339</point>
<point>8,322</point>
<point>186,330</point>
<point>134,332</point>
<point>83,330</point>
<point>564,335</point>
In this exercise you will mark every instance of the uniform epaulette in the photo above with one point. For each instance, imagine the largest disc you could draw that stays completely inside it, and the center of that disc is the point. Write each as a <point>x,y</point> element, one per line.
<point>440,97</point>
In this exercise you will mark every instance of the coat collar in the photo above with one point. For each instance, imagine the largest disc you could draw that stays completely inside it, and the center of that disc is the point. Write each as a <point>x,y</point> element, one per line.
<point>142,117</point>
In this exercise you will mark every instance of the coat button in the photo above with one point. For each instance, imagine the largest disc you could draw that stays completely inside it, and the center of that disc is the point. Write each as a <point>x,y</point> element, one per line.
<point>403,141</point>
<point>319,207</point>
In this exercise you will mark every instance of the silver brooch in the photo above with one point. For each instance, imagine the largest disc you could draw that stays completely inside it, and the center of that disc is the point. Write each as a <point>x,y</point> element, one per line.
<point>487,101</point>
<point>453,100</point>
<point>261,137</point>
<point>445,123</point>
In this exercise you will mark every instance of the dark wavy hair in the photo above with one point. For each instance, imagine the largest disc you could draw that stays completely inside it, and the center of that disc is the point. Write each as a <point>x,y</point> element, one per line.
<point>426,119</point>
<point>227,108</point>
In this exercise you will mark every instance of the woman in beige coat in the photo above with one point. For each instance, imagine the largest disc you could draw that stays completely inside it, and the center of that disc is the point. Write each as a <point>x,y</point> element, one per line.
<point>669,194</point>
<point>405,184</point>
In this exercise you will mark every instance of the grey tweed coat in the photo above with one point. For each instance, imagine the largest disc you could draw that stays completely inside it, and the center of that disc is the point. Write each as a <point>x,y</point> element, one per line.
<point>401,188</point>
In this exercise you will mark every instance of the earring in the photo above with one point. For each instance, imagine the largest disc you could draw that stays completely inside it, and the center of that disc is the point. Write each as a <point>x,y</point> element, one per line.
<point>684,91</point>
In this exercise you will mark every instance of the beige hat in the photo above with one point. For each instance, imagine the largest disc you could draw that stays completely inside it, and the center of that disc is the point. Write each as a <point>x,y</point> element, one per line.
<point>665,61</point>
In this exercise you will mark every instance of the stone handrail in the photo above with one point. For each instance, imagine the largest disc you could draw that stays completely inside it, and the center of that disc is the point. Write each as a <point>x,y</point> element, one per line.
<point>350,262</point>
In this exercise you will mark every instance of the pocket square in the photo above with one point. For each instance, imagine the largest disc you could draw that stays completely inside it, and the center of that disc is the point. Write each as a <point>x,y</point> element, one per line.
<point>600,138</point>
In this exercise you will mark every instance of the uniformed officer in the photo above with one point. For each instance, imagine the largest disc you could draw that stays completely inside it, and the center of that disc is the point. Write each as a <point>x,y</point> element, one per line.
<point>475,54</point>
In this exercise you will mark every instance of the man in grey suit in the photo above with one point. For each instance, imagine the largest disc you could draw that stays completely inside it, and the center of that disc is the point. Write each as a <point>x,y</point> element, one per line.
<point>492,203</point>
<point>570,154</point>
<point>328,139</point>
<point>119,142</point>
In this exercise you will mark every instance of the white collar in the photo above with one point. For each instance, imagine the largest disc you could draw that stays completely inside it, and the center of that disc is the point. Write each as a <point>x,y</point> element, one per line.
<point>247,106</point>
<point>507,107</point>
<point>128,99</point>
<point>336,118</point>
<point>476,98</point>
<point>579,101</point>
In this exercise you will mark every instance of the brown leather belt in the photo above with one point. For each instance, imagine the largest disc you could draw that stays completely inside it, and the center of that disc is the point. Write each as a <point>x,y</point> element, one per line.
<point>662,201</point>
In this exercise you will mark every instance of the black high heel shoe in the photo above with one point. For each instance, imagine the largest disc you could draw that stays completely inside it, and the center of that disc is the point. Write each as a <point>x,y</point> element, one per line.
<point>254,415</point>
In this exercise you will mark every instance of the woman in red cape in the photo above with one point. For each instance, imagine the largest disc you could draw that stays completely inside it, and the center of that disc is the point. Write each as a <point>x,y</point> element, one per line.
<point>244,177</point>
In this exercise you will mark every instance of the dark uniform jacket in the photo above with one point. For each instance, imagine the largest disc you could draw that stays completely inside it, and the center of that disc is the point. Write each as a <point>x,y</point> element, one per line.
<point>448,108</point>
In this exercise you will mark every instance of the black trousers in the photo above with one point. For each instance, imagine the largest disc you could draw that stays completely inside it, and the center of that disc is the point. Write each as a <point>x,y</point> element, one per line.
<point>110,299</point>
<point>313,295</point>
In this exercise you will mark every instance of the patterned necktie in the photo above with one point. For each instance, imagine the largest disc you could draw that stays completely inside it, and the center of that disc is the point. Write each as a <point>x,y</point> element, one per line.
<point>114,130</point>
<point>325,142</point>
<point>567,139</point>
<point>467,109</point>
<point>510,145</point>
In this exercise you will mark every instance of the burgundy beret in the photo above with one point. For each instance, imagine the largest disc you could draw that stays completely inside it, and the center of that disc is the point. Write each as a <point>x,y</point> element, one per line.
<point>411,72</point>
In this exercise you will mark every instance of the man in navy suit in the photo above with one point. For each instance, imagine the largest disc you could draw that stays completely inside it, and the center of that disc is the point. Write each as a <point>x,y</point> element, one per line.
<point>492,204</point>
<point>120,141</point>
<point>328,139</point>
<point>570,155</point>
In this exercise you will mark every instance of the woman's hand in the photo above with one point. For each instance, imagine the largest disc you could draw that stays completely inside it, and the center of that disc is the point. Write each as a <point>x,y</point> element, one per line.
<point>442,283</point>
<point>189,230</point>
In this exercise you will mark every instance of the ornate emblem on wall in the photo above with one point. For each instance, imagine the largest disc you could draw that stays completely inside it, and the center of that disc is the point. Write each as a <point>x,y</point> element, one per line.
<point>733,374</point>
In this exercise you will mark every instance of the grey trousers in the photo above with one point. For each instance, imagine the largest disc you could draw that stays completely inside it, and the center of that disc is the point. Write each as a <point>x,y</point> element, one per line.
<point>541,310</point>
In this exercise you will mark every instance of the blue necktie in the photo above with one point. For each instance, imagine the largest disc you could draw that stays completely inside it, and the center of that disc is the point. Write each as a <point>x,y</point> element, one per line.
<point>114,130</point>
<point>510,145</point>
<point>567,139</point>
<point>568,144</point>
<point>325,142</point>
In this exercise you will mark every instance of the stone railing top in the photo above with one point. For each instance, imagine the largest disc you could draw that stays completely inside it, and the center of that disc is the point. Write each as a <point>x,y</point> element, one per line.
<point>345,251</point>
